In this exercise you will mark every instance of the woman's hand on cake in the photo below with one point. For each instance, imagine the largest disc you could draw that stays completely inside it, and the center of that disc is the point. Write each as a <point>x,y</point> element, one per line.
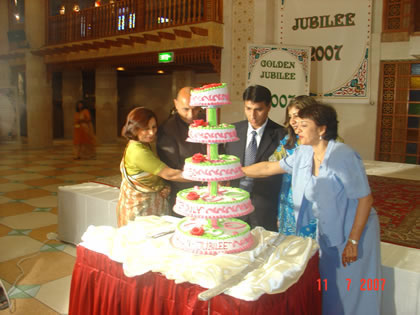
<point>263,169</point>
<point>172,174</point>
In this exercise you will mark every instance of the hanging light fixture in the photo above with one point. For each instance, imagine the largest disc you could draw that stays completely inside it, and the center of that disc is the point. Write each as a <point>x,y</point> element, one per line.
<point>76,8</point>
<point>97,3</point>
<point>62,10</point>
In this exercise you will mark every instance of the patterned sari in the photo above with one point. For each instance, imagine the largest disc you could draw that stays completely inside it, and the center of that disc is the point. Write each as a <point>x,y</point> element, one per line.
<point>139,196</point>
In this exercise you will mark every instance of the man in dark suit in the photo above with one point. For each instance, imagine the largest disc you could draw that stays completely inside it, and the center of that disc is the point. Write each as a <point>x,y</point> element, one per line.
<point>171,145</point>
<point>262,135</point>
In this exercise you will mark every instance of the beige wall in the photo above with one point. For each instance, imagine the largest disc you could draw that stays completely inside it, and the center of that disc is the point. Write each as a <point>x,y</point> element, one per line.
<point>247,22</point>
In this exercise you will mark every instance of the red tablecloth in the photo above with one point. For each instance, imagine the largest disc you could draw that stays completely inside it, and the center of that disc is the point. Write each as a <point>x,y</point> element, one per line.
<point>100,287</point>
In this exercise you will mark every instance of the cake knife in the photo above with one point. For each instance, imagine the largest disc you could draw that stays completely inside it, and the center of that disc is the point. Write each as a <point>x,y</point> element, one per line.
<point>260,260</point>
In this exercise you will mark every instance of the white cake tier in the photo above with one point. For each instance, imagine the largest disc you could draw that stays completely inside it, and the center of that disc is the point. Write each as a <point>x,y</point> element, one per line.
<point>227,167</point>
<point>216,134</point>
<point>197,202</point>
<point>210,95</point>
<point>199,236</point>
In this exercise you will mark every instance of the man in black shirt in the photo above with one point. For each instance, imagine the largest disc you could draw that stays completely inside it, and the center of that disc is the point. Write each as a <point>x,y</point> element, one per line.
<point>171,145</point>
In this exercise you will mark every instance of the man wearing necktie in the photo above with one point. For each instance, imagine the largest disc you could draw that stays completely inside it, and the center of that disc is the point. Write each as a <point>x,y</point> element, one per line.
<point>259,137</point>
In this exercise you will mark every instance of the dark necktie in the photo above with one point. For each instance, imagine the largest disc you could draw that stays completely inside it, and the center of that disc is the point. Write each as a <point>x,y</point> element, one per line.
<point>246,183</point>
<point>251,150</point>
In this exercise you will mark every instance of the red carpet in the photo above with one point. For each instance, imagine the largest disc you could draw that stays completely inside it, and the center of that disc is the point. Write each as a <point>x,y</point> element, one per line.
<point>397,202</point>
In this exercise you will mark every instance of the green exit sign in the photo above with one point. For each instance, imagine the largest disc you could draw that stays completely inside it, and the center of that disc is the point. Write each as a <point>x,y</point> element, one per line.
<point>166,57</point>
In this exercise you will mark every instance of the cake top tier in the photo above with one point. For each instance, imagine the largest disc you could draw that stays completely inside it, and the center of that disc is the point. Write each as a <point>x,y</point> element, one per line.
<point>215,94</point>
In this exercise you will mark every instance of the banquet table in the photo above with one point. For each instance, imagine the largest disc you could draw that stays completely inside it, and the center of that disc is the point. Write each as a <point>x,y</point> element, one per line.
<point>104,284</point>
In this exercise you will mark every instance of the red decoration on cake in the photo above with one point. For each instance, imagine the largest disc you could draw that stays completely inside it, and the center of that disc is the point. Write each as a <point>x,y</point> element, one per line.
<point>198,158</point>
<point>193,196</point>
<point>198,231</point>
<point>199,122</point>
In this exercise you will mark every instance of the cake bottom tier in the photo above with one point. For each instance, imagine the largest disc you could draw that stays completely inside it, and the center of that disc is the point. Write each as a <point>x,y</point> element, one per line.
<point>212,237</point>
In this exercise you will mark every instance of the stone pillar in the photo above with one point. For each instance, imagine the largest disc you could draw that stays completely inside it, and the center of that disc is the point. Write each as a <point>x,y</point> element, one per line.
<point>181,79</point>
<point>38,84</point>
<point>72,92</point>
<point>4,26</point>
<point>106,94</point>
<point>38,103</point>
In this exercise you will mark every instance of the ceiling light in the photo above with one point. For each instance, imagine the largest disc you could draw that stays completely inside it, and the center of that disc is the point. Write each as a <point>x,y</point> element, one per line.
<point>160,71</point>
<point>120,68</point>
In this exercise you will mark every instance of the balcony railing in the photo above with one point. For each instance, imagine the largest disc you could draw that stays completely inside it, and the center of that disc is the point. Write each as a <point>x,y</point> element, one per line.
<point>130,16</point>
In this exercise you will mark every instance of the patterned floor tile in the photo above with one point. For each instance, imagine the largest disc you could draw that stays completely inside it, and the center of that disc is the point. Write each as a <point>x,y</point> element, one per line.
<point>83,169</point>
<point>49,162</point>
<point>21,245</point>
<point>24,176</point>
<point>38,269</point>
<point>30,307</point>
<point>4,230</point>
<point>24,291</point>
<point>55,294</point>
<point>71,250</point>
<point>26,218</point>
<point>53,188</point>
<point>11,172</point>
<point>31,220</point>
<point>56,172</point>
<point>4,199</point>
<point>43,182</point>
<point>12,187</point>
<point>27,194</point>
<point>77,177</point>
<point>37,168</point>
<point>104,173</point>
<point>25,232</point>
<point>40,234</point>
<point>43,202</point>
<point>14,208</point>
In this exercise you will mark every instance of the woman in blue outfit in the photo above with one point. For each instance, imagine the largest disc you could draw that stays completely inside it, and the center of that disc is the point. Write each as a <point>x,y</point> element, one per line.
<point>286,217</point>
<point>330,184</point>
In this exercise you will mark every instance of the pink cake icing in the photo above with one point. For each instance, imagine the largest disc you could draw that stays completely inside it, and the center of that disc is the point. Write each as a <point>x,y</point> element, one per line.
<point>199,236</point>
<point>200,132</point>
<point>215,94</point>
<point>229,202</point>
<point>199,168</point>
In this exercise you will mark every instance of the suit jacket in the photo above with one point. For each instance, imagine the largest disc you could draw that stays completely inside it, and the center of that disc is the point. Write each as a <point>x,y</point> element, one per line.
<point>265,192</point>
<point>173,150</point>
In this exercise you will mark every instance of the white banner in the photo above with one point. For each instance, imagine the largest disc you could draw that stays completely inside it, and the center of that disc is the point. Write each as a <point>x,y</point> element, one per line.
<point>284,70</point>
<point>339,33</point>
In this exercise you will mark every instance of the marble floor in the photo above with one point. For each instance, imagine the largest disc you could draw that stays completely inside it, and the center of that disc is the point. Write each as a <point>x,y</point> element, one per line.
<point>35,270</point>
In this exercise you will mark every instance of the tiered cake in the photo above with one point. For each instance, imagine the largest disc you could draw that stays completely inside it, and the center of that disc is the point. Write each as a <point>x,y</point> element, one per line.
<point>209,226</point>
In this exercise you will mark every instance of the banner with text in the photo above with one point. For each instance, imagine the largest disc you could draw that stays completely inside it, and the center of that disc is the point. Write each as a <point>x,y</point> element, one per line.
<point>339,35</point>
<point>284,70</point>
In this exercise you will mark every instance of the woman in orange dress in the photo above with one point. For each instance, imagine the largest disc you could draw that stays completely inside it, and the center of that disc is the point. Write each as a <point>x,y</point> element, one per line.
<point>83,135</point>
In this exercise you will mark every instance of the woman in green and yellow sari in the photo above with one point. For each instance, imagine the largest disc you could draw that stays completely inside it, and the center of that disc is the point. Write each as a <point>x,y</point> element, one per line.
<point>143,190</point>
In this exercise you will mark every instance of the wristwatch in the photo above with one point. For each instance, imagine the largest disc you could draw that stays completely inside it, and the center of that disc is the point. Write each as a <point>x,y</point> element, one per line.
<point>354,242</point>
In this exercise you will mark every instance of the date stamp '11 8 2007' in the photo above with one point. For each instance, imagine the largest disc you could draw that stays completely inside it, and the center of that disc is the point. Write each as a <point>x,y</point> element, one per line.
<point>365,284</point>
